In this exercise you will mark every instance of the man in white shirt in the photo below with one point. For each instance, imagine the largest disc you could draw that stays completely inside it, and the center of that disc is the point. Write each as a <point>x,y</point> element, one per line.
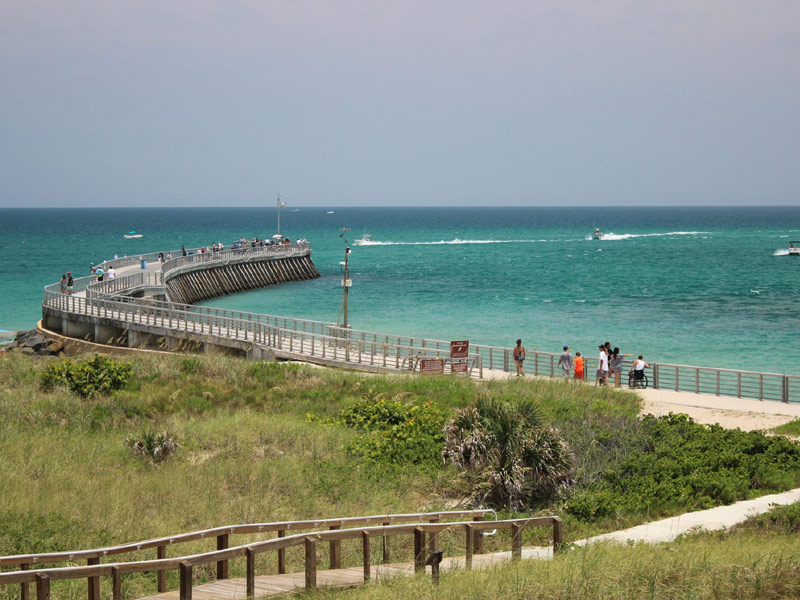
<point>112,274</point>
<point>602,370</point>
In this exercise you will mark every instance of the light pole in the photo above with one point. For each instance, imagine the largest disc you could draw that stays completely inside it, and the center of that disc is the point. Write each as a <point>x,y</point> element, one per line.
<point>346,282</point>
<point>281,204</point>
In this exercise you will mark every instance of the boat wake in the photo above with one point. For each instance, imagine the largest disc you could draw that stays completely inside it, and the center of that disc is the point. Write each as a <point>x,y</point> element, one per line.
<point>446,242</point>
<point>629,236</point>
<point>781,252</point>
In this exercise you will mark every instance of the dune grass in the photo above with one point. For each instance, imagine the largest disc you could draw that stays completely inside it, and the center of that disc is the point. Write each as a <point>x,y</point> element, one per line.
<point>792,428</point>
<point>256,444</point>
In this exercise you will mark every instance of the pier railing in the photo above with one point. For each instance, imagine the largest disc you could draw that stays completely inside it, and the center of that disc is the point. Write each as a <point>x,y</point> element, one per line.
<point>320,338</point>
<point>377,528</point>
<point>282,250</point>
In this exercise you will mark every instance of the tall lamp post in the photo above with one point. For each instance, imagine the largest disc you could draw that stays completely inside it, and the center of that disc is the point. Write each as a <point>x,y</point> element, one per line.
<point>346,281</point>
<point>281,204</point>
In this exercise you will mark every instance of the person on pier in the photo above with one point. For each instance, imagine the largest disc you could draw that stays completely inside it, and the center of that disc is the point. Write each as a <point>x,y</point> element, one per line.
<point>519,357</point>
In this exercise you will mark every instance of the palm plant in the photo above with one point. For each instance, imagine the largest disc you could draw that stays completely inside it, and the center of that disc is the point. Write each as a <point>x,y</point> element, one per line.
<point>152,446</point>
<point>507,456</point>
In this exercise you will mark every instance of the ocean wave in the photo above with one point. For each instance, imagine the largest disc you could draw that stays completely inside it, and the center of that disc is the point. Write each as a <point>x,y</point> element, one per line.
<point>456,241</point>
<point>781,252</point>
<point>628,236</point>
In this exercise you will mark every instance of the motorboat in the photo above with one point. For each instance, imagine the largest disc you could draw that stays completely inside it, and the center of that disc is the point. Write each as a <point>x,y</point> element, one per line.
<point>364,240</point>
<point>132,235</point>
<point>794,248</point>
<point>597,234</point>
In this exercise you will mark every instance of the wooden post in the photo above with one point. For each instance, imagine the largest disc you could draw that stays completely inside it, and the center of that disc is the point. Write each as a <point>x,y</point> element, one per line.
<point>419,549</point>
<point>386,556</point>
<point>186,580</point>
<point>24,590</point>
<point>366,554</point>
<point>469,536</point>
<point>335,550</point>
<point>161,576</point>
<point>311,564</point>
<point>433,539</point>
<point>116,584</point>
<point>42,586</point>
<point>516,541</point>
<point>251,572</point>
<point>222,565</point>
<point>478,537</point>
<point>558,533</point>
<point>282,554</point>
<point>94,582</point>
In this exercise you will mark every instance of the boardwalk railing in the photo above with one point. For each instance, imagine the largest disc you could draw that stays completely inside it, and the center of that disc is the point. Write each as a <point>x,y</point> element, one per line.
<point>315,338</point>
<point>366,529</point>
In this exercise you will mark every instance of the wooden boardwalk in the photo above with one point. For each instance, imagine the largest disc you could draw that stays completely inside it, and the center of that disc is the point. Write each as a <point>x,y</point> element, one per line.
<point>274,585</point>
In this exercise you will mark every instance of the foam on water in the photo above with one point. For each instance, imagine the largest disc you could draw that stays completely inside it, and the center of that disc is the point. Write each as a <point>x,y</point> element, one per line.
<point>629,236</point>
<point>455,241</point>
<point>781,252</point>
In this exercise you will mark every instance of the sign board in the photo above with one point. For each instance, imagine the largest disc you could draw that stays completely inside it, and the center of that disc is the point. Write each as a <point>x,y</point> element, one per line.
<point>431,366</point>
<point>458,367</point>
<point>459,349</point>
<point>347,282</point>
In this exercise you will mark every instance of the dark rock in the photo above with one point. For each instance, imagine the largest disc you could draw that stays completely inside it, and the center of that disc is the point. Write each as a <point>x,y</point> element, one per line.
<point>26,351</point>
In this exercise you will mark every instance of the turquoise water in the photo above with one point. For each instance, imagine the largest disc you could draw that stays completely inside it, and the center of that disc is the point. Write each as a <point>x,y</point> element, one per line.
<point>705,286</point>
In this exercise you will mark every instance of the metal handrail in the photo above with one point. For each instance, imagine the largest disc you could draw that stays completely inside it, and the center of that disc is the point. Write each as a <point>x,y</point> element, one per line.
<point>712,380</point>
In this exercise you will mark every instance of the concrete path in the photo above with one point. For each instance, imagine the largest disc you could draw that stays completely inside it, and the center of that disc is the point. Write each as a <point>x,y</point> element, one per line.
<point>729,412</point>
<point>712,519</point>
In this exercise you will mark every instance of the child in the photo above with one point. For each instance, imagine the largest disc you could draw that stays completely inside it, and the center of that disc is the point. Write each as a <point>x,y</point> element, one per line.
<point>578,366</point>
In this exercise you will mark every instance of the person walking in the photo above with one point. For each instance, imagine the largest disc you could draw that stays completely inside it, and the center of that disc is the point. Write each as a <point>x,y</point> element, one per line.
<point>70,284</point>
<point>578,366</point>
<point>519,357</point>
<point>64,284</point>
<point>602,370</point>
<point>99,272</point>
<point>112,274</point>
<point>565,362</point>
<point>183,249</point>
<point>616,365</point>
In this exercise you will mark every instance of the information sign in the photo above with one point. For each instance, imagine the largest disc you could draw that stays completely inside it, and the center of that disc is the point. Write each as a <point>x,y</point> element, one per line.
<point>431,366</point>
<point>458,367</point>
<point>459,349</point>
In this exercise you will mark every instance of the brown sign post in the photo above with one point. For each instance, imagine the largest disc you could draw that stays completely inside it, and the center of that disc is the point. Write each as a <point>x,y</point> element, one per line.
<point>431,366</point>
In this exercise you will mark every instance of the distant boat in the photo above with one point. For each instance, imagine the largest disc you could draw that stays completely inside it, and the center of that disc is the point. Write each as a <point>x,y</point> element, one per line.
<point>597,234</point>
<point>364,240</point>
<point>794,248</point>
<point>330,212</point>
<point>132,235</point>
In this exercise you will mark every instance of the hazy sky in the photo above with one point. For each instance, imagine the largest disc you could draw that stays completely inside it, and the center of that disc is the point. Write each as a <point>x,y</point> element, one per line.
<point>205,102</point>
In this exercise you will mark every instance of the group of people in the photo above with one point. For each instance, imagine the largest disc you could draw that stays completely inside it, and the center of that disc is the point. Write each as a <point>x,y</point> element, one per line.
<point>610,364</point>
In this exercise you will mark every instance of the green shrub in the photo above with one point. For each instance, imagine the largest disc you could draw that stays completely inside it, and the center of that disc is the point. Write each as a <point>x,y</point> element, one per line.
<point>153,447</point>
<point>394,432</point>
<point>675,463</point>
<point>97,376</point>
<point>507,457</point>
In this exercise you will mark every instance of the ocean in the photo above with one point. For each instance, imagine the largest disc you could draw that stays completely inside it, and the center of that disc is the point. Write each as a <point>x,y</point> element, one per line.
<point>696,286</point>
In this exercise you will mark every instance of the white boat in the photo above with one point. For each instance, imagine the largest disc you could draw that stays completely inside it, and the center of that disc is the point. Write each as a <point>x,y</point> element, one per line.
<point>794,248</point>
<point>364,240</point>
<point>330,212</point>
<point>597,234</point>
<point>132,235</point>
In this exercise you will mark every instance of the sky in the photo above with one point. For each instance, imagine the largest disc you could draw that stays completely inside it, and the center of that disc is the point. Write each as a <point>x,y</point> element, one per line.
<point>411,103</point>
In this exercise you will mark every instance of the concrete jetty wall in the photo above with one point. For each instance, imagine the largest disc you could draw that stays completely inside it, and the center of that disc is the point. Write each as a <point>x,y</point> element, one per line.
<point>195,283</point>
